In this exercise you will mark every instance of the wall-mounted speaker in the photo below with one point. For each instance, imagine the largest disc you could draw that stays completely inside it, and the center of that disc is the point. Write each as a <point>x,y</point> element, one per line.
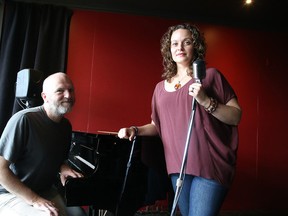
<point>29,84</point>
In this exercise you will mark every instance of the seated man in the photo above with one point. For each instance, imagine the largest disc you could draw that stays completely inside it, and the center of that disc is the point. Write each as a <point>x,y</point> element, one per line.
<point>33,148</point>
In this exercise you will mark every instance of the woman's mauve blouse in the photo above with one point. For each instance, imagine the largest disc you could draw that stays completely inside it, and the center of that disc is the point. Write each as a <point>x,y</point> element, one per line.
<point>213,144</point>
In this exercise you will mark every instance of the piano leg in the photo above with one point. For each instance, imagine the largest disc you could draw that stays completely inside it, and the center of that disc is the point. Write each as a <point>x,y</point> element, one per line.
<point>99,212</point>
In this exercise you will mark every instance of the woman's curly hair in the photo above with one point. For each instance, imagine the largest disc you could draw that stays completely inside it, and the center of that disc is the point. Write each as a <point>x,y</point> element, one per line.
<point>170,68</point>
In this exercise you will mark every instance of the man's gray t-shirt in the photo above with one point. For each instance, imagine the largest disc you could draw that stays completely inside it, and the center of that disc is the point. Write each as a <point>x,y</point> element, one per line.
<point>36,146</point>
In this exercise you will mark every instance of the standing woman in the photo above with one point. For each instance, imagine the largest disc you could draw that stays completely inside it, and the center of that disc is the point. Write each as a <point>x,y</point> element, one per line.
<point>212,152</point>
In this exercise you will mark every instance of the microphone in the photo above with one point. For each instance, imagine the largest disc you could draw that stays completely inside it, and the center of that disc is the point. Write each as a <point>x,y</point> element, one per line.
<point>199,70</point>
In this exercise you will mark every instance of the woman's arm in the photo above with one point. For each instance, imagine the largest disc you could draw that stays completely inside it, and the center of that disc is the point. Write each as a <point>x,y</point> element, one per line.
<point>131,132</point>
<point>229,113</point>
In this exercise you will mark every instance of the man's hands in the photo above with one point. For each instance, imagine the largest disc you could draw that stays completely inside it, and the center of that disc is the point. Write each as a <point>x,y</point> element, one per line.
<point>45,205</point>
<point>67,172</point>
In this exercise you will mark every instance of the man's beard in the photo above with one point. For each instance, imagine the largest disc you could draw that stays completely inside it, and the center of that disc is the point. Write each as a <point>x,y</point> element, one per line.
<point>59,109</point>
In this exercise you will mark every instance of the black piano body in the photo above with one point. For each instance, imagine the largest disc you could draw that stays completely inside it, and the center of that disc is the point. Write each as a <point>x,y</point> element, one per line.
<point>111,182</point>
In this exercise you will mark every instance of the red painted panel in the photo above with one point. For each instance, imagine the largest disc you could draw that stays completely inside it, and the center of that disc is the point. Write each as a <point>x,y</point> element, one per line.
<point>79,67</point>
<point>119,61</point>
<point>273,133</point>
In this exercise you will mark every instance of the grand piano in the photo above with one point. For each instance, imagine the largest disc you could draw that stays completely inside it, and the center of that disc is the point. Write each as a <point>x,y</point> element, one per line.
<point>119,175</point>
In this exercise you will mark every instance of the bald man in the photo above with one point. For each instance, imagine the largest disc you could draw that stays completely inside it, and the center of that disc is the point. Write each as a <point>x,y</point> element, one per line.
<point>33,149</point>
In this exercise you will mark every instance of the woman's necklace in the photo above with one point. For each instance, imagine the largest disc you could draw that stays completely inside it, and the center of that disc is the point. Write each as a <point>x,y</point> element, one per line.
<point>178,84</point>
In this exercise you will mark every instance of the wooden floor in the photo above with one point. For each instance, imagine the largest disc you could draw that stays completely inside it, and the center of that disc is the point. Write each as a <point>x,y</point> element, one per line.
<point>254,213</point>
<point>223,213</point>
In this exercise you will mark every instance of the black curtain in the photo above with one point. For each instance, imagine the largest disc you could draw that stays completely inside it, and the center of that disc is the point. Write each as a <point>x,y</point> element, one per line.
<point>33,36</point>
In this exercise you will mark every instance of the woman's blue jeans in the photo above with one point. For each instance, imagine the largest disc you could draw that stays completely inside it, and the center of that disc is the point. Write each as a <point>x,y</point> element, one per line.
<point>199,196</point>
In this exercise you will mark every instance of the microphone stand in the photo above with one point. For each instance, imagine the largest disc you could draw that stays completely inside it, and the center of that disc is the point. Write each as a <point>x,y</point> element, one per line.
<point>179,183</point>
<point>126,175</point>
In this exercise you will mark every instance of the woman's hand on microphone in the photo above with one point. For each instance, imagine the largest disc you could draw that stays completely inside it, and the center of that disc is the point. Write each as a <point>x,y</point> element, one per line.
<point>197,91</point>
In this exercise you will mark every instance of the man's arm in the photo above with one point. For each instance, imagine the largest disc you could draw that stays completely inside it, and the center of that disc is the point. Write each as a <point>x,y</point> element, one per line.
<point>13,185</point>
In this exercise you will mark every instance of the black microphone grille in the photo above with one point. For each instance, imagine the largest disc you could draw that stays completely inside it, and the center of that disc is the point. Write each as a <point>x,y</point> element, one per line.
<point>199,69</point>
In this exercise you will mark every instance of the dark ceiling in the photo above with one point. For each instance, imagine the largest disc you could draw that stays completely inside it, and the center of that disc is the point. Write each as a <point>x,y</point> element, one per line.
<point>263,14</point>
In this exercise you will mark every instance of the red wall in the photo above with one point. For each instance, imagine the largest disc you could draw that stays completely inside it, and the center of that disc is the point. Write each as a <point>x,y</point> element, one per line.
<point>115,62</point>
